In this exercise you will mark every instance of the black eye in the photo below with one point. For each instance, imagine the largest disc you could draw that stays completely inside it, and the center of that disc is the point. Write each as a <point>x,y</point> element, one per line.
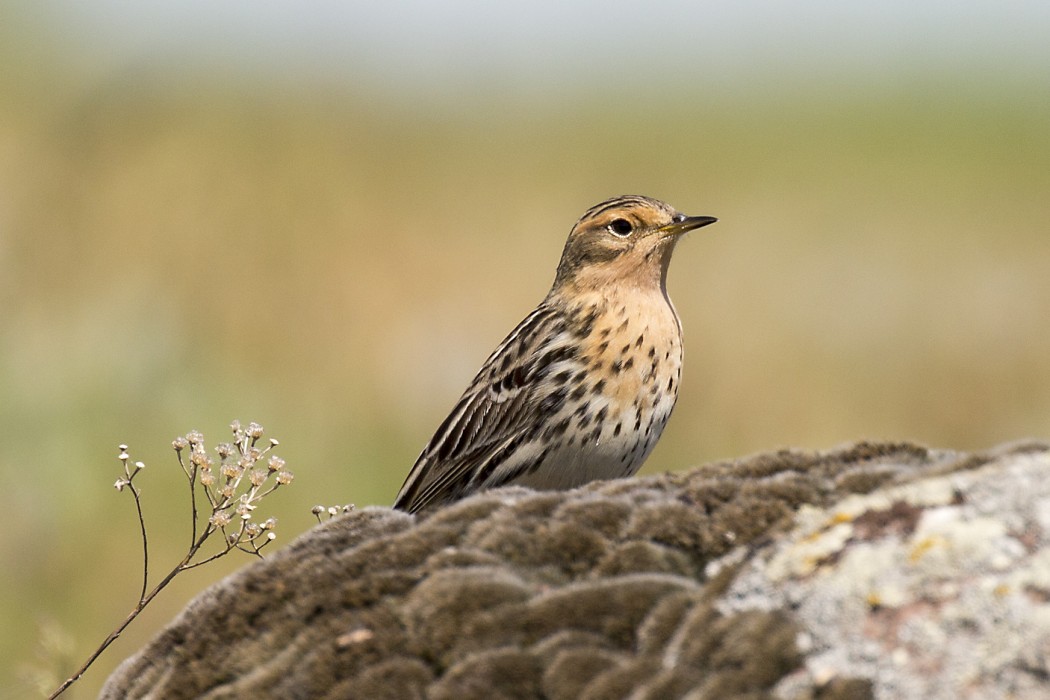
<point>621,227</point>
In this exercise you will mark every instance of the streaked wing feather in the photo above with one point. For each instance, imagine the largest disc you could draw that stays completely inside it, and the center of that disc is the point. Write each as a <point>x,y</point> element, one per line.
<point>498,408</point>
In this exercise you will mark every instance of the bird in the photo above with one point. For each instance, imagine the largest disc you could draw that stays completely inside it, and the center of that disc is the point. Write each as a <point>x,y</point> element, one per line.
<point>582,388</point>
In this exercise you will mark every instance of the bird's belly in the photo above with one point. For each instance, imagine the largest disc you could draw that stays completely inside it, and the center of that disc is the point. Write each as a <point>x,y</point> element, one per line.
<point>617,392</point>
<point>613,449</point>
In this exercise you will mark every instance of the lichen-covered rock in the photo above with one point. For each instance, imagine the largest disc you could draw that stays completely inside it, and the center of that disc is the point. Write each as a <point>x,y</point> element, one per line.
<point>848,574</point>
<point>936,589</point>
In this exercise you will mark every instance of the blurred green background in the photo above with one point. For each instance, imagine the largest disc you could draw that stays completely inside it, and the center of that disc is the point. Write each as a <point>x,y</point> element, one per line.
<point>324,216</point>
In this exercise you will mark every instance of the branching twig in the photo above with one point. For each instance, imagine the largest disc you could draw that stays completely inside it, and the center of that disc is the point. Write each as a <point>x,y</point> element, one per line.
<point>230,505</point>
<point>128,482</point>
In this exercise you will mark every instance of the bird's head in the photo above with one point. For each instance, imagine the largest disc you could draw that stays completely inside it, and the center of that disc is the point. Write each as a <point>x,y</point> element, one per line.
<point>624,240</point>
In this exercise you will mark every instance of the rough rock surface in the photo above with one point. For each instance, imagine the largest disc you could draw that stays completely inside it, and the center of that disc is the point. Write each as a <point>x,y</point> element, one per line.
<point>875,571</point>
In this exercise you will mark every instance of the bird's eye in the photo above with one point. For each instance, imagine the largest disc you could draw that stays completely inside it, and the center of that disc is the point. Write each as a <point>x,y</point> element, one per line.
<point>621,227</point>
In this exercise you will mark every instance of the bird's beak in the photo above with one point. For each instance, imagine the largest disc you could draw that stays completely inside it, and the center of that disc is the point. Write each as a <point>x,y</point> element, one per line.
<point>685,224</point>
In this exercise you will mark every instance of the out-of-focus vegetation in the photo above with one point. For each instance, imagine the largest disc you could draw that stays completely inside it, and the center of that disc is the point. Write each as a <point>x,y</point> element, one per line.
<point>181,249</point>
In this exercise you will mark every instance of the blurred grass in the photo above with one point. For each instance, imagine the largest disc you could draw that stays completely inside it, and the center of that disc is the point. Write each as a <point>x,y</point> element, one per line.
<point>178,250</point>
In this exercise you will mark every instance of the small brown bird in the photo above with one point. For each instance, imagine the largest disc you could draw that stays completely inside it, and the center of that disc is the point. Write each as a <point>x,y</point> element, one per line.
<point>583,387</point>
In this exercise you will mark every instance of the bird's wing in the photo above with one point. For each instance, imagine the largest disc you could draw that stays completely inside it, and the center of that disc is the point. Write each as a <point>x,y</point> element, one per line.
<point>517,386</point>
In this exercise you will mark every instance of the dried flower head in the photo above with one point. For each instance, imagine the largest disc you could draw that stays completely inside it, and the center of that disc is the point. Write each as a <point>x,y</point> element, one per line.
<point>244,508</point>
<point>228,508</point>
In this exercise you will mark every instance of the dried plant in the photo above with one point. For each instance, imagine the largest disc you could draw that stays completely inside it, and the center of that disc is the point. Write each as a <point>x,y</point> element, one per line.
<point>320,512</point>
<point>231,487</point>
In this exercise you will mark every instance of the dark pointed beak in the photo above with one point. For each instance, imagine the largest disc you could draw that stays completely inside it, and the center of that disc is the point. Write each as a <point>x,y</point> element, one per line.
<point>683,224</point>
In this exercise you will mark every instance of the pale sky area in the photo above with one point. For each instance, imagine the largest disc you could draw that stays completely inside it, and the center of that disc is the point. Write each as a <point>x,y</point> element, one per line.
<point>415,44</point>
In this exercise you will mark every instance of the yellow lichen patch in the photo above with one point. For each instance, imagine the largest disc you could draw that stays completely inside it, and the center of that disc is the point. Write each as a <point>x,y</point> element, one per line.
<point>919,550</point>
<point>810,552</point>
<point>841,517</point>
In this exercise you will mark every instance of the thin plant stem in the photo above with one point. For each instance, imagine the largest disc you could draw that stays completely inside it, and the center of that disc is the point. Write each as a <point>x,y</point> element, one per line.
<point>193,504</point>
<point>145,542</point>
<point>139,607</point>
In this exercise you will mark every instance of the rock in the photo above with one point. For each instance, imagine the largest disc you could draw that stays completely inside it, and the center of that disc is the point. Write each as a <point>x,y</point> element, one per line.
<point>878,570</point>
